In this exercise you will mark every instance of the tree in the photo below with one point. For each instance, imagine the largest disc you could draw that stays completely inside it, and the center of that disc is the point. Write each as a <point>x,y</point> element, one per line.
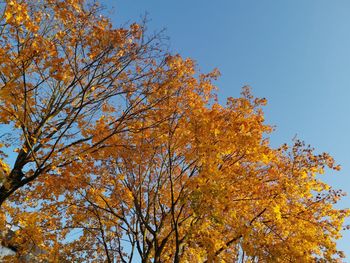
<point>62,68</point>
<point>124,153</point>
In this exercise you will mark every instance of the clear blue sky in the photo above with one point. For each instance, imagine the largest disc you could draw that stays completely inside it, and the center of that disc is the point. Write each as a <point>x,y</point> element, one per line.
<point>295,53</point>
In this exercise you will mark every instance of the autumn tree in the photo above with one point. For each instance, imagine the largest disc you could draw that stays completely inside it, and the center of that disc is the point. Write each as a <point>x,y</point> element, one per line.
<point>64,67</point>
<point>204,186</point>
<point>64,70</point>
<point>123,153</point>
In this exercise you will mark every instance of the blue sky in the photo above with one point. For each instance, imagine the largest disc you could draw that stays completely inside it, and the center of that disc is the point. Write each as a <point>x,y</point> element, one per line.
<point>294,53</point>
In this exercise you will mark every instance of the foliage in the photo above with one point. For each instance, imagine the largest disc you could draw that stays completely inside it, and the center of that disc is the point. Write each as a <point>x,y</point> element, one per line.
<point>124,153</point>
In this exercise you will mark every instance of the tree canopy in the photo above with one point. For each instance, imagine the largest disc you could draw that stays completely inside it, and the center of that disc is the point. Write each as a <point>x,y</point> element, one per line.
<point>114,150</point>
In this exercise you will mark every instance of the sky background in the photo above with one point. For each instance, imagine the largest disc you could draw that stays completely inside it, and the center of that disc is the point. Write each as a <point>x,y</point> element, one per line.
<point>294,53</point>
